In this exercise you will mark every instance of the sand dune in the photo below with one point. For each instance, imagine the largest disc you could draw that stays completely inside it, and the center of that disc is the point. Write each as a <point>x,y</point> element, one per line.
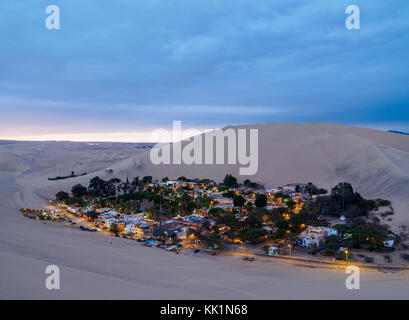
<point>375,162</point>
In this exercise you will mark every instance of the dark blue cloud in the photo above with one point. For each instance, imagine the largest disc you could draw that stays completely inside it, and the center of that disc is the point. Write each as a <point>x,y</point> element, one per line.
<point>145,63</point>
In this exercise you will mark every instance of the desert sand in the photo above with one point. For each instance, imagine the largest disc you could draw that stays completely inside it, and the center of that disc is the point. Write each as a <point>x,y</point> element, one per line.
<point>96,266</point>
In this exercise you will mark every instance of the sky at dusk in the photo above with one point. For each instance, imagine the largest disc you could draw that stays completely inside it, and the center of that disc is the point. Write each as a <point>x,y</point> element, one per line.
<point>117,69</point>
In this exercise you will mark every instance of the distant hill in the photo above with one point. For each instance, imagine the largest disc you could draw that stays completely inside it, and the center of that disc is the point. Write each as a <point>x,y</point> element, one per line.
<point>400,132</point>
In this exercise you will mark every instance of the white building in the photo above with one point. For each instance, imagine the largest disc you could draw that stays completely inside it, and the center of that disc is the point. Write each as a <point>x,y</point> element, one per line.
<point>129,227</point>
<point>72,209</point>
<point>135,218</point>
<point>315,236</point>
<point>272,191</point>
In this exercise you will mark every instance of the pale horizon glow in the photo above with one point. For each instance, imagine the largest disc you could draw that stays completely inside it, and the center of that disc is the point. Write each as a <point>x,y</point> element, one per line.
<point>146,136</point>
<point>126,137</point>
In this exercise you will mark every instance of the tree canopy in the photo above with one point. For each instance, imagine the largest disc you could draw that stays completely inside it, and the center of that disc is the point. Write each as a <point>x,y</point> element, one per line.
<point>238,201</point>
<point>230,181</point>
<point>261,200</point>
<point>61,196</point>
<point>79,191</point>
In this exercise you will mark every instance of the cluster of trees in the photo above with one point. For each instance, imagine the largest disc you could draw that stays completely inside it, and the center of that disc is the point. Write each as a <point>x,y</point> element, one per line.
<point>312,189</point>
<point>230,182</point>
<point>246,230</point>
<point>69,200</point>
<point>332,245</point>
<point>362,234</point>
<point>288,223</point>
<point>252,185</point>
<point>343,200</point>
<point>99,188</point>
<point>239,201</point>
<point>261,200</point>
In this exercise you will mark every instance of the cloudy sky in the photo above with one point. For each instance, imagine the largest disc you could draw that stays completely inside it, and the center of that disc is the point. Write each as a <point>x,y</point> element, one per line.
<point>117,69</point>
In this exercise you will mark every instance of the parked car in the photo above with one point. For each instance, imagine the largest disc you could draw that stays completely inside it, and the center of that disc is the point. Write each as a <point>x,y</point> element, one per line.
<point>196,251</point>
<point>251,259</point>
<point>72,223</point>
<point>245,258</point>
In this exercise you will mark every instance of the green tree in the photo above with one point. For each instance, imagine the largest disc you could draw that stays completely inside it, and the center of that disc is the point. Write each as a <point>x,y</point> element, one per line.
<point>247,183</point>
<point>261,200</point>
<point>114,228</point>
<point>147,180</point>
<point>253,221</point>
<point>238,201</point>
<point>92,215</point>
<point>75,201</point>
<point>253,235</point>
<point>230,181</point>
<point>282,226</point>
<point>313,189</point>
<point>253,185</point>
<point>79,191</point>
<point>332,244</point>
<point>61,196</point>
<point>290,204</point>
<point>97,187</point>
<point>215,212</point>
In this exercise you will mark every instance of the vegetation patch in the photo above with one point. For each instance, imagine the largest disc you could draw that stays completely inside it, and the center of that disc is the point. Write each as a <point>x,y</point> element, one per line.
<point>66,177</point>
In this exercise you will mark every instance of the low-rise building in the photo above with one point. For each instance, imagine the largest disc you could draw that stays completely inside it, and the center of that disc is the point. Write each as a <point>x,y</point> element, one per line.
<point>272,251</point>
<point>314,237</point>
<point>129,227</point>
<point>73,209</point>
<point>172,225</point>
